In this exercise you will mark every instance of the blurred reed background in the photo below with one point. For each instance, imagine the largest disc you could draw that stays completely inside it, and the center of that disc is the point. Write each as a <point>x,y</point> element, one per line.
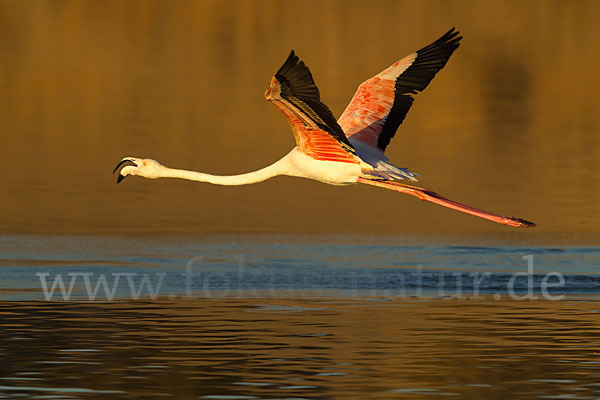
<point>510,125</point>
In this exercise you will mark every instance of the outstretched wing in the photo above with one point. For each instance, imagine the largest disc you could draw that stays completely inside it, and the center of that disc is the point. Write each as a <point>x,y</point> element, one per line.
<point>381,103</point>
<point>317,133</point>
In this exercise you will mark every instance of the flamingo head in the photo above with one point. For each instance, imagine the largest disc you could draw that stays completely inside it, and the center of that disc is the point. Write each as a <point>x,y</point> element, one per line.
<point>146,167</point>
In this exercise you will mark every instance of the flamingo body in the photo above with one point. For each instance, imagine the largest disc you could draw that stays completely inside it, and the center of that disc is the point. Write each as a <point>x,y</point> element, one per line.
<point>347,151</point>
<point>301,165</point>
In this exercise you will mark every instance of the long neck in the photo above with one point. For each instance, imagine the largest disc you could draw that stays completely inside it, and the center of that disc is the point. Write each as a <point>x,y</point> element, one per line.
<point>278,168</point>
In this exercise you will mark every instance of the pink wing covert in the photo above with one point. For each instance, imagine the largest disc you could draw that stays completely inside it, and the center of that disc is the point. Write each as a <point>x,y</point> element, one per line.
<point>366,114</point>
<point>381,103</point>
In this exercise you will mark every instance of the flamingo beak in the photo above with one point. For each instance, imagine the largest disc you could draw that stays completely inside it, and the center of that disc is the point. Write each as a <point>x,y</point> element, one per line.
<point>523,223</point>
<point>124,161</point>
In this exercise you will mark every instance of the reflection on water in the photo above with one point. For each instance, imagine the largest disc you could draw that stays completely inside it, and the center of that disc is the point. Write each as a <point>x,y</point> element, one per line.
<point>286,348</point>
<point>508,91</point>
<point>106,268</point>
<point>509,125</point>
<point>294,318</point>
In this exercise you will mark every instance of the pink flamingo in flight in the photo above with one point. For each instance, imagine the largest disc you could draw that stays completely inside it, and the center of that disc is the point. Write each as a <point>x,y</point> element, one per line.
<point>347,151</point>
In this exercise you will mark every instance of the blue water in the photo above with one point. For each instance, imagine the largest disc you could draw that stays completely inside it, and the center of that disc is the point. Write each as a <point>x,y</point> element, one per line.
<point>242,317</point>
<point>107,268</point>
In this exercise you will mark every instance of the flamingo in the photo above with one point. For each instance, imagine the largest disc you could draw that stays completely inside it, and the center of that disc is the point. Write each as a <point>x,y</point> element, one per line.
<point>347,151</point>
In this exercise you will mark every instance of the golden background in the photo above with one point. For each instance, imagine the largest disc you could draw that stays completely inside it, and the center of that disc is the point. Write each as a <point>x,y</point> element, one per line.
<point>510,125</point>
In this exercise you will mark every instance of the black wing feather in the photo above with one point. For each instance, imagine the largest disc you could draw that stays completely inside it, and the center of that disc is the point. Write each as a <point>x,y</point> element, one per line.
<point>429,61</point>
<point>299,88</point>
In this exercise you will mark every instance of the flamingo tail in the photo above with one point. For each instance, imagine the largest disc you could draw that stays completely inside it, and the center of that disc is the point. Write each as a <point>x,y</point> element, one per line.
<point>431,196</point>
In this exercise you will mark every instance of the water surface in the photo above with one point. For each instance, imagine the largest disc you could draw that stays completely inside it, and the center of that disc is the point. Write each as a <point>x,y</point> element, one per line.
<point>40,267</point>
<point>303,349</point>
<point>303,317</point>
<point>509,125</point>
<point>293,289</point>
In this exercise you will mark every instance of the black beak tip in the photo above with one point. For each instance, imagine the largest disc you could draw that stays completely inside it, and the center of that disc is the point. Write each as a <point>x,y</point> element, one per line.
<point>120,178</point>
<point>524,223</point>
